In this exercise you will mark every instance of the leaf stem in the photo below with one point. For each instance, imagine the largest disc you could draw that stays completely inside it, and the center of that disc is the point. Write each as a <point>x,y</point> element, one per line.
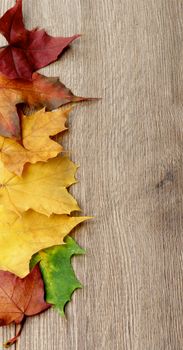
<point>14,339</point>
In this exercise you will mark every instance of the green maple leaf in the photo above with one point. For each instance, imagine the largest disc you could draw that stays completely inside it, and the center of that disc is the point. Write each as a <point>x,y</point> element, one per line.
<point>58,275</point>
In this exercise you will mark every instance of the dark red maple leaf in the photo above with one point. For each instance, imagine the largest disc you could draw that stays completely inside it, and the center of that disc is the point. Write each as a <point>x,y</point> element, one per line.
<point>20,298</point>
<point>28,50</point>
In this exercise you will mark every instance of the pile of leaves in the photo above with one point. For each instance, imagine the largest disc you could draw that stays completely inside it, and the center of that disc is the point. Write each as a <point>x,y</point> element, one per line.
<point>35,205</point>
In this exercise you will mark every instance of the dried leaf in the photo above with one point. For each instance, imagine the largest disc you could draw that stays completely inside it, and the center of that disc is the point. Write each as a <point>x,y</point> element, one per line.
<point>28,50</point>
<point>42,187</point>
<point>21,237</point>
<point>20,298</point>
<point>37,145</point>
<point>40,92</point>
<point>58,275</point>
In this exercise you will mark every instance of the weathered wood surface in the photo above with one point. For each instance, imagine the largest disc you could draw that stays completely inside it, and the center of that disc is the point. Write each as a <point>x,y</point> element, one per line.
<point>130,148</point>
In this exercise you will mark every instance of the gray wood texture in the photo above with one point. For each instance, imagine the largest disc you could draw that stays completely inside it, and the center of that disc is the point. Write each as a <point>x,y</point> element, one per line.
<point>130,150</point>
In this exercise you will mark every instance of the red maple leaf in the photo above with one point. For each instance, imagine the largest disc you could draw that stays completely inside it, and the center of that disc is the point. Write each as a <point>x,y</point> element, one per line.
<point>28,50</point>
<point>20,298</point>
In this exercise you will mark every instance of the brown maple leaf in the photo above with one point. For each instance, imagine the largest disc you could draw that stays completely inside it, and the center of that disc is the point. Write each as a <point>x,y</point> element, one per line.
<point>20,298</point>
<point>40,92</point>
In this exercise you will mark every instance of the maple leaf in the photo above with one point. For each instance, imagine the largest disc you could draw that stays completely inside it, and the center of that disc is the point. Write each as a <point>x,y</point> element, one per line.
<point>22,237</point>
<point>42,187</point>
<point>36,143</point>
<point>21,298</point>
<point>28,50</point>
<point>58,275</point>
<point>40,92</point>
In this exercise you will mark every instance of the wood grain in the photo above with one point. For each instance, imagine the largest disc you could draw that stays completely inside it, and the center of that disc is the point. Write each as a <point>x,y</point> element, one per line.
<point>130,148</point>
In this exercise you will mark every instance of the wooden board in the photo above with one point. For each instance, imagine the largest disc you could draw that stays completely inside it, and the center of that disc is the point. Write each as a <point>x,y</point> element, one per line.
<point>130,150</point>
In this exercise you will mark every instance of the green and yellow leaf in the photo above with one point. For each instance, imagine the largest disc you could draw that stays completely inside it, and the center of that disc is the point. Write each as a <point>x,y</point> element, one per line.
<point>58,275</point>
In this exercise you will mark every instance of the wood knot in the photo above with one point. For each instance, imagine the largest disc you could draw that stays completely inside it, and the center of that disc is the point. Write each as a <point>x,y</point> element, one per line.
<point>169,177</point>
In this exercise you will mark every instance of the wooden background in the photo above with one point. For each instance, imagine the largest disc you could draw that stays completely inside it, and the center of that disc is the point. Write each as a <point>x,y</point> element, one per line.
<point>130,148</point>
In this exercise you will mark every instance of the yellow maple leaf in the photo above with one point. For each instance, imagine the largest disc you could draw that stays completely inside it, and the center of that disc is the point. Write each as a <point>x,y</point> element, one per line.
<point>21,237</point>
<point>37,145</point>
<point>42,187</point>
